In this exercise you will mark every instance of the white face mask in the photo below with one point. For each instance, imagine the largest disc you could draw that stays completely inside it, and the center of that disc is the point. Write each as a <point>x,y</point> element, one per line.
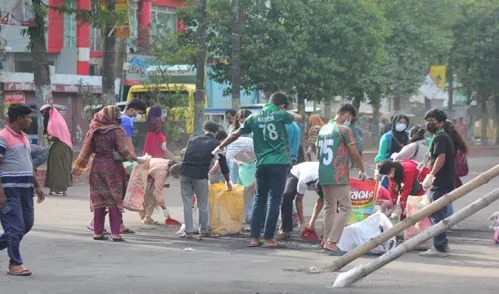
<point>164,114</point>
<point>348,122</point>
<point>136,118</point>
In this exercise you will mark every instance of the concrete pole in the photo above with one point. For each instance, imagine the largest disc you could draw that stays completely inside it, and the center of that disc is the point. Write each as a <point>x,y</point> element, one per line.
<point>359,272</point>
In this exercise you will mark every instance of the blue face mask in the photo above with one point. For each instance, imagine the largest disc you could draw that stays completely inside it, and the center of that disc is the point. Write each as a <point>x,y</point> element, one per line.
<point>400,127</point>
<point>347,122</point>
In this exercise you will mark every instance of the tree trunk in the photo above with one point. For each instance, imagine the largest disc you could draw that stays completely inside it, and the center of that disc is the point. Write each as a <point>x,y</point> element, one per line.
<point>450,91</point>
<point>120,58</point>
<point>427,103</point>
<point>199,99</point>
<point>485,120</point>
<point>301,103</point>
<point>327,109</point>
<point>41,71</point>
<point>375,122</point>
<point>396,103</point>
<point>236,55</point>
<point>356,102</point>
<point>496,102</point>
<point>108,70</point>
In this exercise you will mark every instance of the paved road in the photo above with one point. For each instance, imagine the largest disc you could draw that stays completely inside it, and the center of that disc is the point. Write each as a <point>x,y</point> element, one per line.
<point>65,259</point>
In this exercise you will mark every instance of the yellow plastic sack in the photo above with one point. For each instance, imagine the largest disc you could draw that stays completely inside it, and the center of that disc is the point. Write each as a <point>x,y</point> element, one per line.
<point>226,209</point>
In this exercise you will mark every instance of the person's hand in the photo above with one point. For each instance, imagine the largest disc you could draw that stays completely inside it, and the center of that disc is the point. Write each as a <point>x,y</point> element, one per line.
<point>216,150</point>
<point>166,213</point>
<point>428,182</point>
<point>3,198</point>
<point>362,176</point>
<point>229,186</point>
<point>302,229</point>
<point>141,159</point>
<point>40,194</point>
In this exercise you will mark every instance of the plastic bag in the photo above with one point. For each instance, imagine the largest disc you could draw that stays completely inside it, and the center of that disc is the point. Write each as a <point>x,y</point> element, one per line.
<point>358,234</point>
<point>243,144</point>
<point>415,204</point>
<point>134,197</point>
<point>363,196</point>
<point>247,173</point>
<point>494,218</point>
<point>226,210</point>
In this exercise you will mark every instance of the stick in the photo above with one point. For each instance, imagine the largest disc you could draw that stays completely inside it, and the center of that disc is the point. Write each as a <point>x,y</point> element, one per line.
<point>412,220</point>
<point>359,272</point>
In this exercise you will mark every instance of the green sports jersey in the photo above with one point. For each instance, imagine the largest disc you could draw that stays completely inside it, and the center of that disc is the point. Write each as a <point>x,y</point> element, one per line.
<point>269,135</point>
<point>333,153</point>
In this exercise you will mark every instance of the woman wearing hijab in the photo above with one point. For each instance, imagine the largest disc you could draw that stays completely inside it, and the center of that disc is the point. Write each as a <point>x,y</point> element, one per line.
<point>105,140</point>
<point>155,144</point>
<point>58,177</point>
<point>394,140</point>
<point>417,148</point>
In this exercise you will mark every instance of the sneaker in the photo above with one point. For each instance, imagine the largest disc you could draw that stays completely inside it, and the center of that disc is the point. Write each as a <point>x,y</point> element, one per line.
<point>432,252</point>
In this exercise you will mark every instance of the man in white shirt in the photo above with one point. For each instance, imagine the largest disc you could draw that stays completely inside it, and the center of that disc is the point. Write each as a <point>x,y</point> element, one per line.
<point>302,176</point>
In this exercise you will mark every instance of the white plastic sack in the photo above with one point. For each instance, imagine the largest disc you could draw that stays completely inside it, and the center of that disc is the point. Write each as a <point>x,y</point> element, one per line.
<point>358,234</point>
<point>243,144</point>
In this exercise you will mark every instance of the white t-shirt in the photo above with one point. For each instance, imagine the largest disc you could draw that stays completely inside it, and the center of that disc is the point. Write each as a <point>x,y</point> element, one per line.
<point>306,172</point>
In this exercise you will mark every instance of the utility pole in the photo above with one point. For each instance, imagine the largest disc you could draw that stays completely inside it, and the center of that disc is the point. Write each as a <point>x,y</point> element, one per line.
<point>236,54</point>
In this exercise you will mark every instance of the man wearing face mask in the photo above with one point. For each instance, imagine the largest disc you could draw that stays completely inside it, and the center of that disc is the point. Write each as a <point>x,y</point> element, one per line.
<point>336,146</point>
<point>393,141</point>
<point>440,180</point>
<point>133,110</point>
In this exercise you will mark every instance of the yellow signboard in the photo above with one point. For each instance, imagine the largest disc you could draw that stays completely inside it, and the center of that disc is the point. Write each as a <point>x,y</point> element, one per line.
<point>438,73</point>
<point>122,10</point>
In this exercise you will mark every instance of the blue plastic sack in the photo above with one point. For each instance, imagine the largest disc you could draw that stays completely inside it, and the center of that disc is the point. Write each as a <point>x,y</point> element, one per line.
<point>247,173</point>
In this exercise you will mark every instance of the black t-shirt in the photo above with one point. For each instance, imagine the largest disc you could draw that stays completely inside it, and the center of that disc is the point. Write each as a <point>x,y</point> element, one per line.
<point>444,179</point>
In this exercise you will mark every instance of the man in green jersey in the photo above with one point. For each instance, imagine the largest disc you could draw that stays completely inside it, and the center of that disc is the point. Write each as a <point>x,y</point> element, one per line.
<point>272,161</point>
<point>335,147</point>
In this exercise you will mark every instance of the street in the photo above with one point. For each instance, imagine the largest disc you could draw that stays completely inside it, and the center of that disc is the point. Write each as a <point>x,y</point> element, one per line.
<point>65,259</point>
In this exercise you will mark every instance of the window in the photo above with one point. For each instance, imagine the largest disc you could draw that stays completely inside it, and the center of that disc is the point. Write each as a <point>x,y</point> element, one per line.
<point>163,17</point>
<point>70,26</point>
<point>134,22</point>
<point>23,66</point>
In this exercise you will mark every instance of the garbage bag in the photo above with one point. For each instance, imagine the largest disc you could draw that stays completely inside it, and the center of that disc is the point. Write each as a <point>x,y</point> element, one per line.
<point>226,210</point>
<point>247,173</point>
<point>413,205</point>
<point>358,234</point>
<point>134,197</point>
<point>363,196</point>
<point>243,144</point>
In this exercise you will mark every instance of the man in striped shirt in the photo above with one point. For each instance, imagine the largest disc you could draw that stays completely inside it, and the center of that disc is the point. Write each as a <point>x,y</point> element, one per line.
<point>17,185</point>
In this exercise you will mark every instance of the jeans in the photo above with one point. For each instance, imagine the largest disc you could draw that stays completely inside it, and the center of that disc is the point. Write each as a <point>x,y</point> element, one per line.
<point>189,186</point>
<point>270,182</point>
<point>17,217</point>
<point>440,241</point>
<point>287,203</point>
<point>39,155</point>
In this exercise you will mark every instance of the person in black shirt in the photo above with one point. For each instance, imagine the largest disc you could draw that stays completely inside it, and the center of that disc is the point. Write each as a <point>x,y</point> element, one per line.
<point>194,177</point>
<point>440,180</point>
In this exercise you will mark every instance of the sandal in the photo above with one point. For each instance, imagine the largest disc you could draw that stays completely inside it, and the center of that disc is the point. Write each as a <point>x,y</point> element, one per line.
<point>253,245</point>
<point>274,246</point>
<point>149,221</point>
<point>336,252</point>
<point>23,273</point>
<point>120,239</point>
<point>52,194</point>
<point>208,235</point>
<point>100,238</point>
<point>187,236</point>
<point>127,231</point>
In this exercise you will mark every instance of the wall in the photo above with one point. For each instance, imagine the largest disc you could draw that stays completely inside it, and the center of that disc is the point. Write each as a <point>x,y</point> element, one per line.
<point>66,61</point>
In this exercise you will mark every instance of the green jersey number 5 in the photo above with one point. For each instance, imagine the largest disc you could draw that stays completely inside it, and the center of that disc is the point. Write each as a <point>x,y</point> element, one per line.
<point>270,130</point>
<point>326,151</point>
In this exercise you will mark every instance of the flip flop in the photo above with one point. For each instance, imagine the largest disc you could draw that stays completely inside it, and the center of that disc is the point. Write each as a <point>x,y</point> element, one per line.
<point>337,252</point>
<point>101,238</point>
<point>274,246</point>
<point>254,245</point>
<point>23,273</point>
<point>120,239</point>
<point>186,236</point>
<point>127,231</point>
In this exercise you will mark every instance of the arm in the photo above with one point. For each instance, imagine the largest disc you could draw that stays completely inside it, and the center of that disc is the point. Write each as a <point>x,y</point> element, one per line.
<point>356,157</point>
<point>232,137</point>
<point>38,189</point>
<point>121,146</point>
<point>299,209</point>
<point>317,209</point>
<point>439,163</point>
<point>406,153</point>
<point>225,170</point>
<point>383,146</point>
<point>296,116</point>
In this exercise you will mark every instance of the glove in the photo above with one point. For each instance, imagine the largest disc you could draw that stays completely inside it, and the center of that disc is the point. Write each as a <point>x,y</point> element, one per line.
<point>396,213</point>
<point>141,159</point>
<point>217,150</point>
<point>377,176</point>
<point>428,182</point>
<point>163,146</point>
<point>362,176</point>
<point>166,213</point>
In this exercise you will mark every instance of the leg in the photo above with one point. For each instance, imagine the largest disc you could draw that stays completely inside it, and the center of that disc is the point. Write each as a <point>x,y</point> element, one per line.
<point>186,191</point>
<point>249,193</point>
<point>28,211</point>
<point>115,217</point>
<point>201,190</point>
<point>440,241</point>
<point>342,193</point>
<point>98,222</point>
<point>279,173</point>
<point>259,202</point>
<point>330,208</point>
<point>287,203</point>
<point>14,228</point>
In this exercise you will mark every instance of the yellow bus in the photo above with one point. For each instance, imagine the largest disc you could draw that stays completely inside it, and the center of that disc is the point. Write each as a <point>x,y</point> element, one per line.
<point>177,99</point>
